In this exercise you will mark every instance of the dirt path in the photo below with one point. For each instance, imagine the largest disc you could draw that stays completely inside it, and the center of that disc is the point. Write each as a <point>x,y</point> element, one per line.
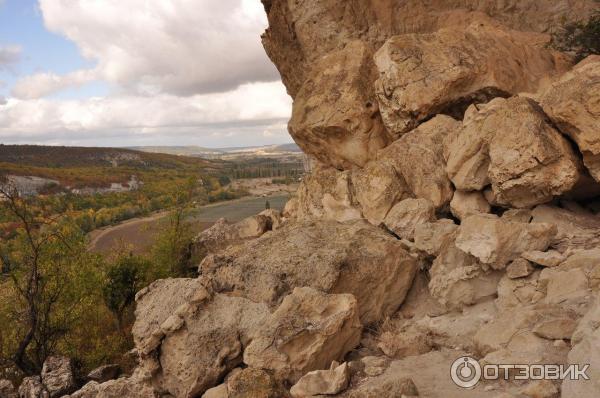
<point>138,234</point>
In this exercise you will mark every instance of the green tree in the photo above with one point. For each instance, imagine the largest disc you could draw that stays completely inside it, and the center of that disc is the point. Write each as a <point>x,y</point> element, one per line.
<point>172,250</point>
<point>43,265</point>
<point>123,280</point>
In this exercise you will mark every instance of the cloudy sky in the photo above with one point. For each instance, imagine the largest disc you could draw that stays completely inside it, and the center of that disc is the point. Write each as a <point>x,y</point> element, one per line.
<point>138,72</point>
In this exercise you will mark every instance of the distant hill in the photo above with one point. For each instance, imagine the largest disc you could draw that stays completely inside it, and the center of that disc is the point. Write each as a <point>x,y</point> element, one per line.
<point>73,157</point>
<point>87,167</point>
<point>227,152</point>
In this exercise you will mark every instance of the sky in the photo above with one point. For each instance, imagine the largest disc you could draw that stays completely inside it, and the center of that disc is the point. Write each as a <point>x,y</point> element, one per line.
<point>138,72</point>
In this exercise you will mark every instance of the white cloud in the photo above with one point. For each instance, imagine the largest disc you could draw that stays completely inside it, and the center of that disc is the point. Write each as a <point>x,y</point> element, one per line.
<point>244,113</point>
<point>9,55</point>
<point>43,84</point>
<point>180,47</point>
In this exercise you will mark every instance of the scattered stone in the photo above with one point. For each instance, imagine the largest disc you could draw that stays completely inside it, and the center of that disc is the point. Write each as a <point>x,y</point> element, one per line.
<point>519,268</point>
<point>104,373</point>
<point>222,234</point>
<point>57,376</point>
<point>458,279</point>
<point>322,382</point>
<point>219,391</point>
<point>551,258</point>
<point>120,388</point>
<point>575,231</point>
<point>191,339</point>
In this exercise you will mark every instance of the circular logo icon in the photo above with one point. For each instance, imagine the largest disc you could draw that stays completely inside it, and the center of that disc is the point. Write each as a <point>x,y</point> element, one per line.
<point>465,372</point>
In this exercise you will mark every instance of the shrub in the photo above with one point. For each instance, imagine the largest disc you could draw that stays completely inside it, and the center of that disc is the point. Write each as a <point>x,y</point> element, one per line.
<point>581,38</point>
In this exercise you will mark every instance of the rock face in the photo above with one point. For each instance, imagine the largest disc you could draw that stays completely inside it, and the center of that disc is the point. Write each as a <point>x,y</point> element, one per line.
<point>307,332</point>
<point>510,145</point>
<point>353,257</point>
<point>423,75</point>
<point>335,116</point>
<point>418,158</point>
<point>573,103</point>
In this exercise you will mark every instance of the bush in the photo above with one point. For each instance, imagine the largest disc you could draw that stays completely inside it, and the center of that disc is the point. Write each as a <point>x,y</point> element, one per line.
<point>581,39</point>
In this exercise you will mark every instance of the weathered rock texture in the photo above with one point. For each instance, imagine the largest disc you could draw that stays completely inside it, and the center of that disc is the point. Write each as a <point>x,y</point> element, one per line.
<point>353,257</point>
<point>510,145</point>
<point>573,103</point>
<point>308,331</point>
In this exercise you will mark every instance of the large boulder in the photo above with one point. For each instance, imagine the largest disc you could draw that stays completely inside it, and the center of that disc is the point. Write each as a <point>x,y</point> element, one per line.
<point>497,242</point>
<point>441,72</point>
<point>512,146</point>
<point>573,104</point>
<point>352,257</point>
<point>308,331</point>
<point>326,193</point>
<point>335,116</point>
<point>57,376</point>
<point>222,234</point>
<point>418,158</point>
<point>189,338</point>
